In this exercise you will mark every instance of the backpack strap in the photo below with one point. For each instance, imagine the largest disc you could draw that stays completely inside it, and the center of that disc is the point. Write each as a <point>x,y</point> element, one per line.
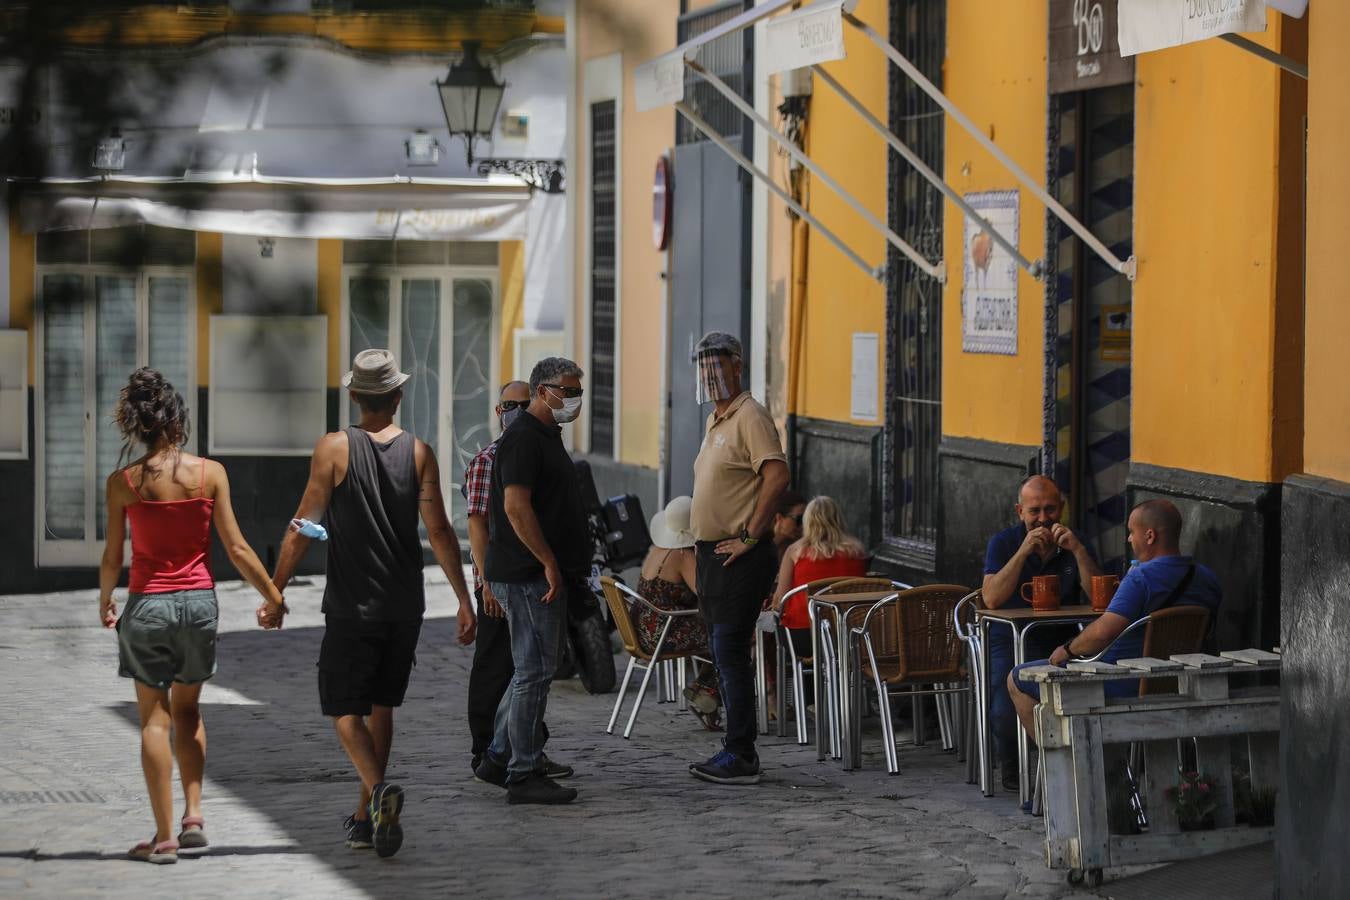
<point>1177,592</point>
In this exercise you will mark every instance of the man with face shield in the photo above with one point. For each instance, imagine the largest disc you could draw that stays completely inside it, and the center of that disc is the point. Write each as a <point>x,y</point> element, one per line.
<point>538,548</point>
<point>492,666</point>
<point>739,475</point>
<point>1037,545</point>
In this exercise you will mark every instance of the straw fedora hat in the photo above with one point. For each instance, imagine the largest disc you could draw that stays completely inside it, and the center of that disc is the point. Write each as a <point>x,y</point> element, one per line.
<point>373,372</point>
<point>670,527</point>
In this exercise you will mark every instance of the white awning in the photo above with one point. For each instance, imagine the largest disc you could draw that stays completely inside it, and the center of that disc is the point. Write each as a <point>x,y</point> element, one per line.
<point>1147,25</point>
<point>353,209</point>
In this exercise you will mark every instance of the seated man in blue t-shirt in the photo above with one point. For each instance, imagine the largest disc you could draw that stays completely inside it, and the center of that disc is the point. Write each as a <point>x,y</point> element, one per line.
<point>1162,577</point>
<point>1037,545</point>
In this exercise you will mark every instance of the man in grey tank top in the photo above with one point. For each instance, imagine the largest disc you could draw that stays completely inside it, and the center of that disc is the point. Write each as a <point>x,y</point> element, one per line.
<point>370,482</point>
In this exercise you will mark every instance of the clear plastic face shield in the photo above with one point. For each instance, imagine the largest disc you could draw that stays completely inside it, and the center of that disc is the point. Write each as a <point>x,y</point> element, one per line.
<point>717,378</point>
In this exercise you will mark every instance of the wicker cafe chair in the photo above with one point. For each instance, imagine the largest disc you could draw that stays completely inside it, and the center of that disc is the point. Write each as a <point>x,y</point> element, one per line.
<point>1167,632</point>
<point>622,600</point>
<point>788,663</point>
<point>911,641</point>
<point>832,682</point>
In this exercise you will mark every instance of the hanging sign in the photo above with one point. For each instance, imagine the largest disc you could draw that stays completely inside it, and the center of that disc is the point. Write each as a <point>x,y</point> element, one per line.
<point>1085,46</point>
<point>806,37</point>
<point>989,277</point>
<point>659,82</point>
<point>1157,24</point>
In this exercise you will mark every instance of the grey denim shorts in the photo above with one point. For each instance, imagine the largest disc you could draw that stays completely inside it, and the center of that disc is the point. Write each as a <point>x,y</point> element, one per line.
<point>163,638</point>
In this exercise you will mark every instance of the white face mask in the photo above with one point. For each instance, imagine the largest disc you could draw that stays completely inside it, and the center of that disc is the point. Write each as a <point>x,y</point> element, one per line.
<point>571,408</point>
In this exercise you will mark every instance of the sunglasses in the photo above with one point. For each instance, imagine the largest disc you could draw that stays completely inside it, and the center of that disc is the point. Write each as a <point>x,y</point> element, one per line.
<point>797,519</point>
<point>569,392</point>
<point>508,405</point>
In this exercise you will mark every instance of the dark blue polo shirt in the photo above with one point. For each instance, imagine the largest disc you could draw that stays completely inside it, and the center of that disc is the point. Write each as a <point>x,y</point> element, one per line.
<point>1003,546</point>
<point>1148,585</point>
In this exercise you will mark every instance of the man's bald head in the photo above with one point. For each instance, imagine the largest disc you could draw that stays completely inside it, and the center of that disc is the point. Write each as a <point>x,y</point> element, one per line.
<point>1155,529</point>
<point>1039,503</point>
<point>515,390</point>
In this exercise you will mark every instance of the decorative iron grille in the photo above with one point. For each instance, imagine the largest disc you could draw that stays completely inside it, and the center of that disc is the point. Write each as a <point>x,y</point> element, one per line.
<point>727,58</point>
<point>914,301</point>
<point>602,278</point>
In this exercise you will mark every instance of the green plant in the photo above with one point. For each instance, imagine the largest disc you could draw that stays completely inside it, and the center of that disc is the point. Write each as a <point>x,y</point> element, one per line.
<point>1194,800</point>
<point>1263,807</point>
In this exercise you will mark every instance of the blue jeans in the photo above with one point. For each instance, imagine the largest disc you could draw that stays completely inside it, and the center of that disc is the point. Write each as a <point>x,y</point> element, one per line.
<point>731,643</point>
<point>1002,717</point>
<point>536,634</point>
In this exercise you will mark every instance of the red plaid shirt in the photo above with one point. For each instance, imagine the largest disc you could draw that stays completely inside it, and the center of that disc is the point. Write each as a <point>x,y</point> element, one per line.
<point>477,490</point>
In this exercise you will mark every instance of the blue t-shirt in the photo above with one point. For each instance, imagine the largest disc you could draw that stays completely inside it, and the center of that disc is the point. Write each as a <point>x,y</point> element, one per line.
<point>1003,546</point>
<point>1149,584</point>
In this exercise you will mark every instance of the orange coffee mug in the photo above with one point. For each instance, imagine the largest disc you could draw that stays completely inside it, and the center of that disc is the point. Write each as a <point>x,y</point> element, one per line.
<point>1103,589</point>
<point>1044,592</point>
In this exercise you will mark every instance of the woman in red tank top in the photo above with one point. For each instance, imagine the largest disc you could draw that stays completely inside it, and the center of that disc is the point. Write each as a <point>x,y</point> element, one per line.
<point>825,550</point>
<point>167,631</point>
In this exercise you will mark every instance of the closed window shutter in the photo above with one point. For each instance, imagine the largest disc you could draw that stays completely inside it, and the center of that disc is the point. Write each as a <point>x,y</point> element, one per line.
<point>115,360</point>
<point>602,368</point>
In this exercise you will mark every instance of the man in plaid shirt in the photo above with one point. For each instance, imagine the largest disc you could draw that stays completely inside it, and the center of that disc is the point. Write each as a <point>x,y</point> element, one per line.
<point>492,665</point>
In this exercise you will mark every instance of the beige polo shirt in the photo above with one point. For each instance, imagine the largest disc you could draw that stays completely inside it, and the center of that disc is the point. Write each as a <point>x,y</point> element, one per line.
<point>726,472</point>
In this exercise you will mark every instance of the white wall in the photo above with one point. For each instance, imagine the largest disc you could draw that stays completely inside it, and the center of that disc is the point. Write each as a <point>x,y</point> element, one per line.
<point>284,283</point>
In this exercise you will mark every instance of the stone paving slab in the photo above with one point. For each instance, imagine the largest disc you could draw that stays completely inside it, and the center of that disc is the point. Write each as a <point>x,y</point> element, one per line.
<point>278,787</point>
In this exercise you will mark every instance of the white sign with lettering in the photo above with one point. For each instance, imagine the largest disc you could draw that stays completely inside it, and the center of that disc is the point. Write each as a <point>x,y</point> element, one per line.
<point>866,371</point>
<point>806,37</point>
<point>659,82</point>
<point>989,277</point>
<point>1157,24</point>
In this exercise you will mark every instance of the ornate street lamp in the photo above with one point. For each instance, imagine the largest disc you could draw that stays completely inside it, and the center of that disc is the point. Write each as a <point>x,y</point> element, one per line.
<point>471,95</point>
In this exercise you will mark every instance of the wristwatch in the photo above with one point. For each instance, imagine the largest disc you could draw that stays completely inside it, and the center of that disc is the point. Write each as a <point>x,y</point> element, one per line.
<point>746,539</point>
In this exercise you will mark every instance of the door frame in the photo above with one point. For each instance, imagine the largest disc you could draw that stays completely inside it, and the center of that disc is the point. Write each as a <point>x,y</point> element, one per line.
<point>447,275</point>
<point>84,552</point>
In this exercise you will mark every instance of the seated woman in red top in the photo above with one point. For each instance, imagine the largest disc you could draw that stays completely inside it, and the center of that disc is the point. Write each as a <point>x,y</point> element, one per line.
<point>825,550</point>
<point>166,635</point>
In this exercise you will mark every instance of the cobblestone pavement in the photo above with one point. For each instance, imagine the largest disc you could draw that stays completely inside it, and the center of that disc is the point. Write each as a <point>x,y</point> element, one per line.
<point>278,787</point>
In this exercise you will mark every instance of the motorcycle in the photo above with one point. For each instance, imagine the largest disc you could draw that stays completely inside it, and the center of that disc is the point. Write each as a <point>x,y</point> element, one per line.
<point>618,533</point>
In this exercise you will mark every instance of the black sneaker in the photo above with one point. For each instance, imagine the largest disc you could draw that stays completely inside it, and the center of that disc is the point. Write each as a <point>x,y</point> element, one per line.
<point>539,789</point>
<point>359,835</point>
<point>489,771</point>
<point>551,769</point>
<point>728,768</point>
<point>386,802</point>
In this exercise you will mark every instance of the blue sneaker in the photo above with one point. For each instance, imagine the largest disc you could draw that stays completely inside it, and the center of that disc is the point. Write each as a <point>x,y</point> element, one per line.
<point>728,768</point>
<point>386,802</point>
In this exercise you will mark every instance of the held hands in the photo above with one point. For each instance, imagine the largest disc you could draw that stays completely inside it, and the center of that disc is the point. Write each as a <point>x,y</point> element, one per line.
<point>107,612</point>
<point>1039,541</point>
<point>272,615</point>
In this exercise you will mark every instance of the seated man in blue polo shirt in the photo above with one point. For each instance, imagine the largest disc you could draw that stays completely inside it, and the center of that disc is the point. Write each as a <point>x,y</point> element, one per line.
<point>1037,545</point>
<point>1161,577</point>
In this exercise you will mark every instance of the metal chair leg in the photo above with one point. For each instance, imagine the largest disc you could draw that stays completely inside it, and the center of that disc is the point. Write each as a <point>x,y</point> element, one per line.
<point>761,688</point>
<point>647,677</point>
<point>781,681</point>
<point>916,711</point>
<point>623,689</point>
<point>682,681</point>
<point>884,701</point>
<point>799,703</point>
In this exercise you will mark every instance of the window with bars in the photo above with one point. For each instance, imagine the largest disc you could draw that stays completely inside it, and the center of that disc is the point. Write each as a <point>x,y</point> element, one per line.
<point>727,57</point>
<point>601,369</point>
<point>914,301</point>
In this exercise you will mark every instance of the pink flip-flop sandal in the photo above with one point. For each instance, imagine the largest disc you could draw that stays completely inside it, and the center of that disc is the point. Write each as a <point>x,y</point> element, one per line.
<point>192,837</point>
<point>160,854</point>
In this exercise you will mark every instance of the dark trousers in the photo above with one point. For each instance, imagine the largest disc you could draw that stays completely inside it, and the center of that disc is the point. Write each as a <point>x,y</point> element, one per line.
<point>489,678</point>
<point>1041,642</point>
<point>730,598</point>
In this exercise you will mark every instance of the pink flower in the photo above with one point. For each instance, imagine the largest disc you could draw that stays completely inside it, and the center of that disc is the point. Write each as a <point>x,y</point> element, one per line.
<point>1204,788</point>
<point>1185,785</point>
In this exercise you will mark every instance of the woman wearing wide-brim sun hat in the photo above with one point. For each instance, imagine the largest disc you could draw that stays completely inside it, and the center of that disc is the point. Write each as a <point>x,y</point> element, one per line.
<point>667,581</point>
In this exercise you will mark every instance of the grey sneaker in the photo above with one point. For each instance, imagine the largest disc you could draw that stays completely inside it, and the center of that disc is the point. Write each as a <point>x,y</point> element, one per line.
<point>728,768</point>
<point>489,771</point>
<point>386,803</point>
<point>359,835</point>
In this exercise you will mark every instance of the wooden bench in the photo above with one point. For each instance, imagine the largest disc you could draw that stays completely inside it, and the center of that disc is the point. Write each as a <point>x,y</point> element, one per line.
<point>1075,724</point>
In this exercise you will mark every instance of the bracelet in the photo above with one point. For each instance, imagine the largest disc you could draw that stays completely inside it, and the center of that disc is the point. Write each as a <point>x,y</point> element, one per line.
<point>1067,649</point>
<point>747,539</point>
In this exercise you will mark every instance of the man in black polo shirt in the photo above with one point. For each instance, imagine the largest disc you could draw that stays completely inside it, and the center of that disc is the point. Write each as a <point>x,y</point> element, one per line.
<point>537,545</point>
